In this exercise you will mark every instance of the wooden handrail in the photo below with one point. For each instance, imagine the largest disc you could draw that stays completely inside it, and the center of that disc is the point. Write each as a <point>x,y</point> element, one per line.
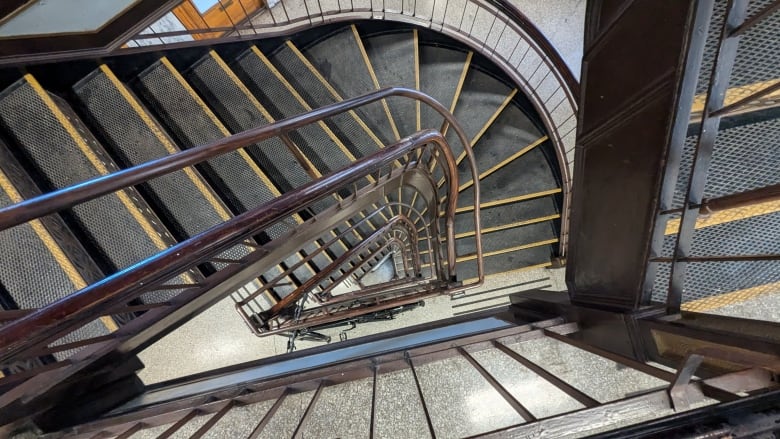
<point>37,328</point>
<point>60,199</point>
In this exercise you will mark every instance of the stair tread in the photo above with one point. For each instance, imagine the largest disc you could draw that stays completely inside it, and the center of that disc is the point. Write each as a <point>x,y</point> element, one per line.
<point>508,134</point>
<point>533,166</point>
<point>320,147</point>
<point>504,239</point>
<point>241,183</point>
<point>184,197</point>
<point>339,58</point>
<point>65,153</point>
<point>519,259</point>
<point>392,56</point>
<point>481,97</point>
<point>304,78</point>
<point>240,110</point>
<point>127,126</point>
<point>440,71</point>
<point>39,271</point>
<point>508,214</point>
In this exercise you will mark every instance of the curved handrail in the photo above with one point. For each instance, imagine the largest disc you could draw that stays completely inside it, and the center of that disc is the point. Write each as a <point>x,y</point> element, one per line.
<point>559,116</point>
<point>97,299</point>
<point>231,33</point>
<point>88,190</point>
<point>310,256</point>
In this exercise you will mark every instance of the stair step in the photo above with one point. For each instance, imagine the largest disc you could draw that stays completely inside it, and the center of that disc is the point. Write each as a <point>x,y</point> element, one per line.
<point>343,62</point>
<point>481,102</point>
<point>511,133</point>
<point>45,266</point>
<point>318,142</point>
<point>64,153</point>
<point>350,128</point>
<point>522,259</point>
<point>242,183</point>
<point>188,204</point>
<point>236,104</point>
<point>440,73</point>
<point>508,210</point>
<point>240,110</point>
<point>393,58</point>
<point>502,239</point>
<point>235,176</point>
<point>184,200</point>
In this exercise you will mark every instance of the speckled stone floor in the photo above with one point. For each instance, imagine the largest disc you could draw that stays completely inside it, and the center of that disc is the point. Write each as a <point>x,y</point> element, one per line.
<point>219,338</point>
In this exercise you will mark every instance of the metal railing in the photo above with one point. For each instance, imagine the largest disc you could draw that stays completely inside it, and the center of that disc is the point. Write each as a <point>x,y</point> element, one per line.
<point>715,242</point>
<point>495,29</point>
<point>410,171</point>
<point>638,391</point>
<point>31,333</point>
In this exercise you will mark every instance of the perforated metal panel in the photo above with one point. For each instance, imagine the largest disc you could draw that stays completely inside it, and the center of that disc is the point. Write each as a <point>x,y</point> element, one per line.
<point>30,273</point>
<point>230,174</point>
<point>233,105</point>
<point>749,236</point>
<point>744,158</point>
<point>133,142</point>
<point>34,277</point>
<point>316,95</point>
<point>58,158</point>
<point>758,50</point>
<point>716,281</point>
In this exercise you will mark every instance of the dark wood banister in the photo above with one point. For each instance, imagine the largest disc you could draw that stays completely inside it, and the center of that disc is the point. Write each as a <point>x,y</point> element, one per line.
<point>88,190</point>
<point>25,334</point>
<point>61,199</point>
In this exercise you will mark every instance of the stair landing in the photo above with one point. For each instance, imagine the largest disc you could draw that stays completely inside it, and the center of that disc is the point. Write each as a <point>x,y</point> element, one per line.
<point>217,338</point>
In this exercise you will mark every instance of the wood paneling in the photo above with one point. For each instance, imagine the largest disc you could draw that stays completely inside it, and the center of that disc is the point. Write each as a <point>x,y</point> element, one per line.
<point>633,71</point>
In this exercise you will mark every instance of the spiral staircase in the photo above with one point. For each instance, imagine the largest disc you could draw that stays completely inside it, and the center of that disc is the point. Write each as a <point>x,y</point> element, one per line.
<point>309,173</point>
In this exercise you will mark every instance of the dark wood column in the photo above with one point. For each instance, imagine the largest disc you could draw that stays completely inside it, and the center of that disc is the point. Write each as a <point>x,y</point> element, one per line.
<point>640,65</point>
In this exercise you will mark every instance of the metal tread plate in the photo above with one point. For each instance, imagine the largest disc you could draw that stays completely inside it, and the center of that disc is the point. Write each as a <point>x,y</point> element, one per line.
<point>224,92</point>
<point>231,175</point>
<point>339,58</point>
<point>305,81</point>
<point>64,153</point>
<point>315,143</point>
